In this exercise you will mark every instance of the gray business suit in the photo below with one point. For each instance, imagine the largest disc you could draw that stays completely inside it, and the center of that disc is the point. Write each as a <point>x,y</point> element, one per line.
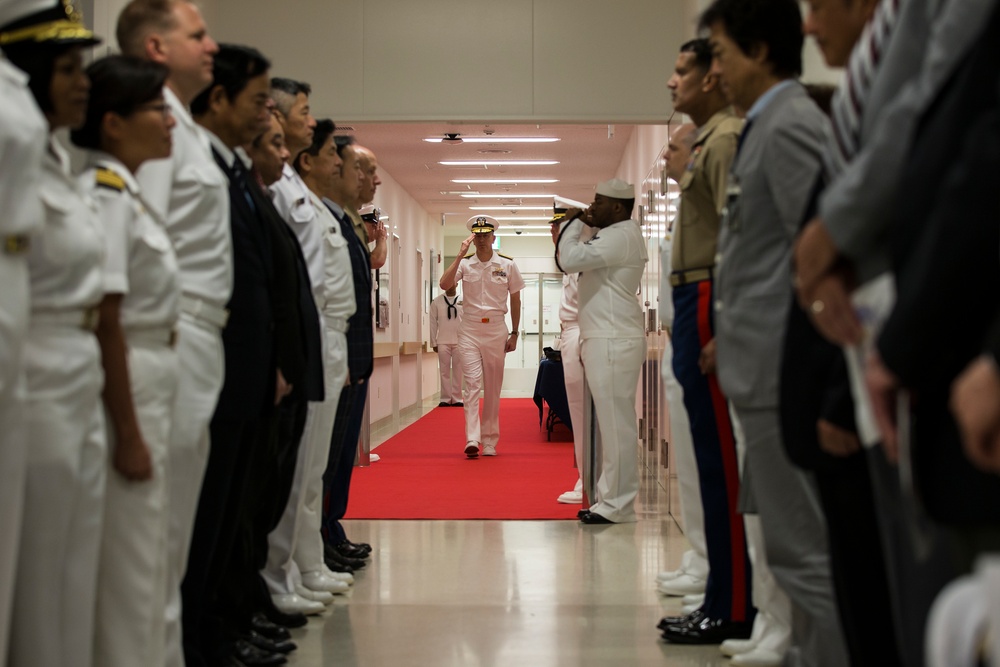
<point>772,181</point>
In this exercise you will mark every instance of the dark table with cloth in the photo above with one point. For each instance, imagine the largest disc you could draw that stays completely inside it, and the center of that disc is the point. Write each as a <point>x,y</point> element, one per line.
<point>550,386</point>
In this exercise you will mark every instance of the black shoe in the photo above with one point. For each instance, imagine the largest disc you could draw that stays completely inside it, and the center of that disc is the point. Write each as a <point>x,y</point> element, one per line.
<point>679,620</point>
<point>707,630</point>
<point>582,513</point>
<point>279,617</point>
<point>348,550</point>
<point>592,519</point>
<point>251,656</point>
<point>460,404</point>
<point>338,567</point>
<point>444,404</point>
<point>361,545</point>
<point>268,644</point>
<point>333,556</point>
<point>273,631</point>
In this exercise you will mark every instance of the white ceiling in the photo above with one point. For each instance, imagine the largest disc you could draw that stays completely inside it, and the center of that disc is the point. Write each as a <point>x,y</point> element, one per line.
<point>586,155</point>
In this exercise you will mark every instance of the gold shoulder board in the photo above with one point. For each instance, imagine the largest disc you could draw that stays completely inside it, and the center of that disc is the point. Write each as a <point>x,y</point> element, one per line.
<point>109,179</point>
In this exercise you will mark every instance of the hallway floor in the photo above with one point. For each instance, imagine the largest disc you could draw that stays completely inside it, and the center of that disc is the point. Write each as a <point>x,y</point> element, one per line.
<point>506,593</point>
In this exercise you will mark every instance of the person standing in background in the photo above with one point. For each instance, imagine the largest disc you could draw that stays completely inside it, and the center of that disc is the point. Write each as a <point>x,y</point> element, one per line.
<point>446,319</point>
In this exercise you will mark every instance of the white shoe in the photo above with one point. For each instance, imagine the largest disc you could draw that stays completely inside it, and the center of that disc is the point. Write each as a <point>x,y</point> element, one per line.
<point>759,657</point>
<point>472,449</point>
<point>290,603</point>
<point>489,450</point>
<point>346,577</point>
<point>733,647</point>
<point>571,498</point>
<point>682,585</point>
<point>668,575</point>
<point>316,596</point>
<point>372,458</point>
<point>318,581</point>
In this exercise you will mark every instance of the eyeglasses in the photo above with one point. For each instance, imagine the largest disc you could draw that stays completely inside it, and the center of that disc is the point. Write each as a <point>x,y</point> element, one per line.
<point>161,107</point>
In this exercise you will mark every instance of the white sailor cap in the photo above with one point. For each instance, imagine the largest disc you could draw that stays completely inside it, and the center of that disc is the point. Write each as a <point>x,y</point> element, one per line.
<point>482,224</point>
<point>616,189</point>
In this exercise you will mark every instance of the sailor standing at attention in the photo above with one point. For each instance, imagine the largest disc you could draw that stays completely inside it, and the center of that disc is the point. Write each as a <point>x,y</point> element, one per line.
<point>487,279</point>
<point>446,319</point>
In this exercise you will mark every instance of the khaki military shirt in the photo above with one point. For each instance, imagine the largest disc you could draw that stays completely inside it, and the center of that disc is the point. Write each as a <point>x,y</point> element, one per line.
<point>703,192</point>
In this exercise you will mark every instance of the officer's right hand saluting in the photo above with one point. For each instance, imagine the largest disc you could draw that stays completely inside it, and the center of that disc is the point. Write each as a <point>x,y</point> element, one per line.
<point>465,245</point>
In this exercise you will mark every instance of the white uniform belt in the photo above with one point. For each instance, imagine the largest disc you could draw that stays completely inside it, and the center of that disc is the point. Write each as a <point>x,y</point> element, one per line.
<point>81,318</point>
<point>336,323</point>
<point>202,310</point>
<point>153,336</point>
<point>492,316</point>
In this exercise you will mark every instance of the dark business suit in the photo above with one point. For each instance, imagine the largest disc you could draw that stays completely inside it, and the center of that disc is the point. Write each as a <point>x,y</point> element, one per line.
<point>351,407</point>
<point>944,247</point>
<point>245,403</point>
<point>272,467</point>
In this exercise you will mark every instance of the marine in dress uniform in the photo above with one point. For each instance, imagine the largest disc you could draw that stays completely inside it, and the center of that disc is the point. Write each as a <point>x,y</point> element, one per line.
<point>489,280</point>
<point>446,320</point>
<point>22,145</point>
<point>137,332</point>
<point>52,623</point>
<point>613,337</point>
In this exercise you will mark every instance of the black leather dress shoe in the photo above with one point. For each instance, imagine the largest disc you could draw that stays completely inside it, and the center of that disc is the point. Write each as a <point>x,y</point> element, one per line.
<point>273,631</point>
<point>679,620</point>
<point>364,546</point>
<point>707,630</point>
<point>444,404</point>
<point>268,644</point>
<point>251,656</point>
<point>582,513</point>
<point>460,404</point>
<point>332,556</point>
<point>279,617</point>
<point>348,550</point>
<point>592,519</point>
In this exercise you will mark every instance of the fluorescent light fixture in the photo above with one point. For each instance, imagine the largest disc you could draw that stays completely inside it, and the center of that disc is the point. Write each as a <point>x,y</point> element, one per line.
<point>498,163</point>
<point>501,207</point>
<point>514,181</point>
<point>498,140</point>
<point>510,195</point>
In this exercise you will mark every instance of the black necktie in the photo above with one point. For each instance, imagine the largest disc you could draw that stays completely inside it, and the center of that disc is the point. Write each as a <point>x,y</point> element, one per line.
<point>240,176</point>
<point>451,307</point>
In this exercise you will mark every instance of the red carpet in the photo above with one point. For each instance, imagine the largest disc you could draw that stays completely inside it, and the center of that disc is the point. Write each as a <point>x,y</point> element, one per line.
<point>423,473</point>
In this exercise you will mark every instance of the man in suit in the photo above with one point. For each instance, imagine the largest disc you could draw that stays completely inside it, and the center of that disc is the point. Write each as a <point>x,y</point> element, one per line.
<point>757,45</point>
<point>233,111</point>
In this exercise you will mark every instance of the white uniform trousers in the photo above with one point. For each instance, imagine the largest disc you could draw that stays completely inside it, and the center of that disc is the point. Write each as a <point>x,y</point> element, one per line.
<point>56,585</point>
<point>612,366</point>
<point>481,351</point>
<point>451,372</point>
<point>695,560</point>
<point>13,449</point>
<point>202,370</point>
<point>569,348</point>
<point>296,540</point>
<point>132,580</point>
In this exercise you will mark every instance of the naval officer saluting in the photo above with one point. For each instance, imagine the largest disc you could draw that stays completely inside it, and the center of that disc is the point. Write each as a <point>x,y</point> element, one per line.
<point>487,280</point>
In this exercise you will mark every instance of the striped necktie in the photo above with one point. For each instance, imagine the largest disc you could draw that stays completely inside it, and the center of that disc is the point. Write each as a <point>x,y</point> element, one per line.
<point>850,98</point>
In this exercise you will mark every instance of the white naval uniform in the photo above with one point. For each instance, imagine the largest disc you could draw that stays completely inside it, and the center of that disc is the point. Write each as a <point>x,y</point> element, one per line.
<point>56,584</point>
<point>486,288</point>
<point>613,349</point>
<point>296,546</point>
<point>132,579</point>
<point>569,349</point>
<point>444,336</point>
<point>22,144</point>
<point>190,192</point>
<point>695,560</point>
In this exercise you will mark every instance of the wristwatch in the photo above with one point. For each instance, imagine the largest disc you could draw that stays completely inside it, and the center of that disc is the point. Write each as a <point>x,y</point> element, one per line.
<point>514,333</point>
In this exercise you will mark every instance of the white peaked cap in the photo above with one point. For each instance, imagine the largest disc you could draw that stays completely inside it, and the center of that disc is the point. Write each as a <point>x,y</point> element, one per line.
<point>616,189</point>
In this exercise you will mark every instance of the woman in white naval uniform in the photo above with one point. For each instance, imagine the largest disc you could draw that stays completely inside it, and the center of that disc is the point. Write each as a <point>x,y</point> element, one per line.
<point>295,563</point>
<point>614,343</point>
<point>487,280</point>
<point>128,122</point>
<point>55,589</point>
<point>22,146</point>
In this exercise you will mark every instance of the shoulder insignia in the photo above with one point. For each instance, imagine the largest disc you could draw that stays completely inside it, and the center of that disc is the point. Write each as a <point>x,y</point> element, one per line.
<point>471,254</point>
<point>109,179</point>
<point>506,256</point>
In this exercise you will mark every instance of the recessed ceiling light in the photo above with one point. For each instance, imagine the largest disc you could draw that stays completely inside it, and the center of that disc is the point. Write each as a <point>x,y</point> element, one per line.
<point>513,181</point>
<point>498,163</point>
<point>498,140</point>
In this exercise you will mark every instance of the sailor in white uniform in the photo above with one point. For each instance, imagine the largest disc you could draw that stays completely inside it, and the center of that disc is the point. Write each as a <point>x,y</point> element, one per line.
<point>489,279</point>
<point>22,145</point>
<point>446,319</point>
<point>614,343</point>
